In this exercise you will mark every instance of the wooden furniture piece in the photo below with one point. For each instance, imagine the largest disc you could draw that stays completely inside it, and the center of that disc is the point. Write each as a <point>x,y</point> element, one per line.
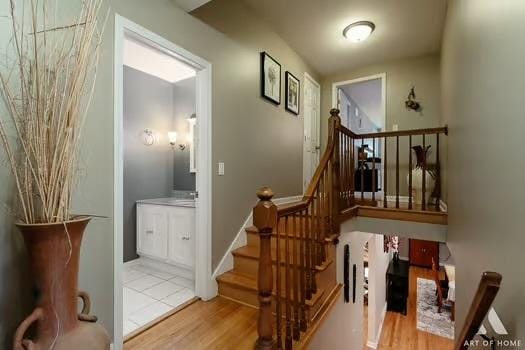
<point>397,277</point>
<point>441,292</point>
<point>486,293</point>
<point>421,252</point>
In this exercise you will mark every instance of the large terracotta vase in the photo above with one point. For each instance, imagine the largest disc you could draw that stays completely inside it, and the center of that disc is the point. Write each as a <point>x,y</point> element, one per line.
<point>54,251</point>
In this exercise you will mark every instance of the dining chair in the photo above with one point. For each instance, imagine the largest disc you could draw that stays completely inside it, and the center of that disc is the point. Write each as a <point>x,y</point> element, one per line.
<point>440,290</point>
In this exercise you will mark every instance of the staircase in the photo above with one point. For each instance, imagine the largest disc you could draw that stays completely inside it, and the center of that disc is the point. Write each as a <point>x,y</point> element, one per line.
<point>287,269</point>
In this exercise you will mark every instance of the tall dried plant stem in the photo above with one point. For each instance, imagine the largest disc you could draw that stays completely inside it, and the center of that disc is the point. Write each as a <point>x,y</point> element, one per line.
<point>55,64</point>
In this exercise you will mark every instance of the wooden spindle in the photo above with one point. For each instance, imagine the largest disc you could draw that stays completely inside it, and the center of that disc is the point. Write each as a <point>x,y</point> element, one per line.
<point>324,212</point>
<point>397,172</point>
<point>278,300</point>
<point>265,220</point>
<point>385,180</point>
<point>374,169</point>
<point>308,252</point>
<point>410,172</point>
<point>302,277</point>
<point>362,168</point>
<point>438,175</point>
<point>350,177</point>
<point>424,190</point>
<point>319,228</point>
<point>287,285</point>
<point>313,245</point>
<point>353,171</point>
<point>295,278</point>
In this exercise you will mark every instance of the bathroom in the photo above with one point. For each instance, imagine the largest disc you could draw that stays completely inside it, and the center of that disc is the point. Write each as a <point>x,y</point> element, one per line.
<point>159,185</point>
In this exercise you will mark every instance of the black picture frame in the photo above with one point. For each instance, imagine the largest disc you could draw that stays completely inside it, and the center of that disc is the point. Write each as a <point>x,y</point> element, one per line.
<point>276,97</point>
<point>289,79</point>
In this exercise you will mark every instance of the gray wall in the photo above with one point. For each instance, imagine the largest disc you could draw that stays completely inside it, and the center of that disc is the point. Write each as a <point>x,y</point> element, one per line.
<point>148,170</point>
<point>183,108</point>
<point>424,74</point>
<point>253,138</point>
<point>483,64</point>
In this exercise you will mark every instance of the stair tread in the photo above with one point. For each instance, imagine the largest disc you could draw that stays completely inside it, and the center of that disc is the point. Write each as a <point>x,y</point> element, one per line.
<point>252,252</point>
<point>246,282</point>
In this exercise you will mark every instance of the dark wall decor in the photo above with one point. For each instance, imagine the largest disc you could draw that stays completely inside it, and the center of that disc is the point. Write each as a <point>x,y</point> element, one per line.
<point>292,92</point>
<point>347,274</point>
<point>411,103</point>
<point>270,78</point>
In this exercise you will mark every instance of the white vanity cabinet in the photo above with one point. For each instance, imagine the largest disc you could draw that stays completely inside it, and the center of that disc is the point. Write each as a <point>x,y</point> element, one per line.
<point>166,233</point>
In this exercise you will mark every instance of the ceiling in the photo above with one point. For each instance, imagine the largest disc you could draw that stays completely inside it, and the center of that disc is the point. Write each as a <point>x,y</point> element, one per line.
<point>313,28</point>
<point>190,5</point>
<point>154,62</point>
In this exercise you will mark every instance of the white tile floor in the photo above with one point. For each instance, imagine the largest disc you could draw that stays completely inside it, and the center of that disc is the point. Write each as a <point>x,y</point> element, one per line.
<point>150,293</point>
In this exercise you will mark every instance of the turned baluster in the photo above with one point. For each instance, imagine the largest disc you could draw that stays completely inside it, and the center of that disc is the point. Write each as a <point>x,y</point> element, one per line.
<point>265,220</point>
<point>385,180</point>
<point>287,285</point>
<point>362,160</point>
<point>397,172</point>
<point>424,190</point>
<point>302,277</point>
<point>374,169</point>
<point>308,252</point>
<point>295,278</point>
<point>313,245</point>
<point>410,172</point>
<point>278,300</point>
<point>438,174</point>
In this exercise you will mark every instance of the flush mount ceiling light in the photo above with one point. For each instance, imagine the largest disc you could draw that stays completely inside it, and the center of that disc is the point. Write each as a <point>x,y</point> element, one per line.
<point>359,31</point>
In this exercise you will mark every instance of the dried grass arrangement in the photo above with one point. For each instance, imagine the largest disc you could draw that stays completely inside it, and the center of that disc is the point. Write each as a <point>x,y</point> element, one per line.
<point>47,85</point>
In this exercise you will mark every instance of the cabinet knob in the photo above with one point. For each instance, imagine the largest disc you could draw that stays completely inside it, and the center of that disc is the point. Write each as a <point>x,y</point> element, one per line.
<point>185,238</point>
<point>149,231</point>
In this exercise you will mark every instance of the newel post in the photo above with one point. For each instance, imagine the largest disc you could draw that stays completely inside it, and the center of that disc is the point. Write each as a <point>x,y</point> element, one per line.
<point>265,220</point>
<point>334,123</point>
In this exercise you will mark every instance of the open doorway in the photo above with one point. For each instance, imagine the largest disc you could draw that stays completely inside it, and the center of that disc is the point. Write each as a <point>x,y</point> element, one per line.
<point>362,106</point>
<point>162,179</point>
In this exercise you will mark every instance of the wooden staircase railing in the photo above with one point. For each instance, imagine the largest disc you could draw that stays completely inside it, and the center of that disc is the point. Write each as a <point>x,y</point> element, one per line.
<point>486,293</point>
<point>303,229</point>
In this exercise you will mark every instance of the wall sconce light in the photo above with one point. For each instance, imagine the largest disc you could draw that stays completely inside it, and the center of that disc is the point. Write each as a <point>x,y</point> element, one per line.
<point>149,138</point>
<point>172,137</point>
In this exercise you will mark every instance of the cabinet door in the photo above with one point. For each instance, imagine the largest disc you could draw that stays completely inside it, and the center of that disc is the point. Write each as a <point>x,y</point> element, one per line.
<point>422,253</point>
<point>152,231</point>
<point>181,239</point>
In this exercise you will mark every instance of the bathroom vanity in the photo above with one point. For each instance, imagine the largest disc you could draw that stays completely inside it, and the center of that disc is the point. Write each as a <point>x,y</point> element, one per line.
<point>166,231</point>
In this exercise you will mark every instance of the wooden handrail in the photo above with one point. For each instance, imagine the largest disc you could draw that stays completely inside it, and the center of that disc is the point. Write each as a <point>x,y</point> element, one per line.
<point>428,131</point>
<point>481,303</point>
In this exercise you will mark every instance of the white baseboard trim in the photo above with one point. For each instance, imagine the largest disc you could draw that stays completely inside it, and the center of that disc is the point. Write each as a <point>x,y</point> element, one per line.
<point>375,343</point>
<point>240,240</point>
<point>402,199</point>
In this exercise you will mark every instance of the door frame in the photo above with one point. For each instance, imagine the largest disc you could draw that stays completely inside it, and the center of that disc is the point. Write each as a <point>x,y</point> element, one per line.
<point>318,136</point>
<point>335,104</point>
<point>381,76</point>
<point>205,286</point>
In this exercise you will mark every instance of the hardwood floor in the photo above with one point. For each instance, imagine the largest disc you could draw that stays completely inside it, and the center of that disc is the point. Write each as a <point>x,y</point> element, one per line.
<point>216,324</point>
<point>400,332</point>
<point>223,324</point>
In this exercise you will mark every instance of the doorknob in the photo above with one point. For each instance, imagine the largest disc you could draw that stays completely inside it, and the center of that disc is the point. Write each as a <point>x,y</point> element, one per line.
<point>317,148</point>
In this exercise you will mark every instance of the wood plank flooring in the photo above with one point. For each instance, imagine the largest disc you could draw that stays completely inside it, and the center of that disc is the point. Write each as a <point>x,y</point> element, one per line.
<point>400,332</point>
<point>216,324</point>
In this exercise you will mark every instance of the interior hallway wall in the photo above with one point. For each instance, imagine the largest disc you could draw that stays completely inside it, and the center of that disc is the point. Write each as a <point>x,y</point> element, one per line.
<point>421,72</point>
<point>253,138</point>
<point>483,90</point>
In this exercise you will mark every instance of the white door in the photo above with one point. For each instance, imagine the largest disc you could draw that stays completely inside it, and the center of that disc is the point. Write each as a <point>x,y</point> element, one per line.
<point>312,123</point>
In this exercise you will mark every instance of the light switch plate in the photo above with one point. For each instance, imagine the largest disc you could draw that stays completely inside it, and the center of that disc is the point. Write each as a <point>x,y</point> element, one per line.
<point>221,169</point>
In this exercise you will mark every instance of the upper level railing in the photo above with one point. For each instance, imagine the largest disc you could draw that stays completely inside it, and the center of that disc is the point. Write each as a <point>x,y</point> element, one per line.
<point>301,230</point>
